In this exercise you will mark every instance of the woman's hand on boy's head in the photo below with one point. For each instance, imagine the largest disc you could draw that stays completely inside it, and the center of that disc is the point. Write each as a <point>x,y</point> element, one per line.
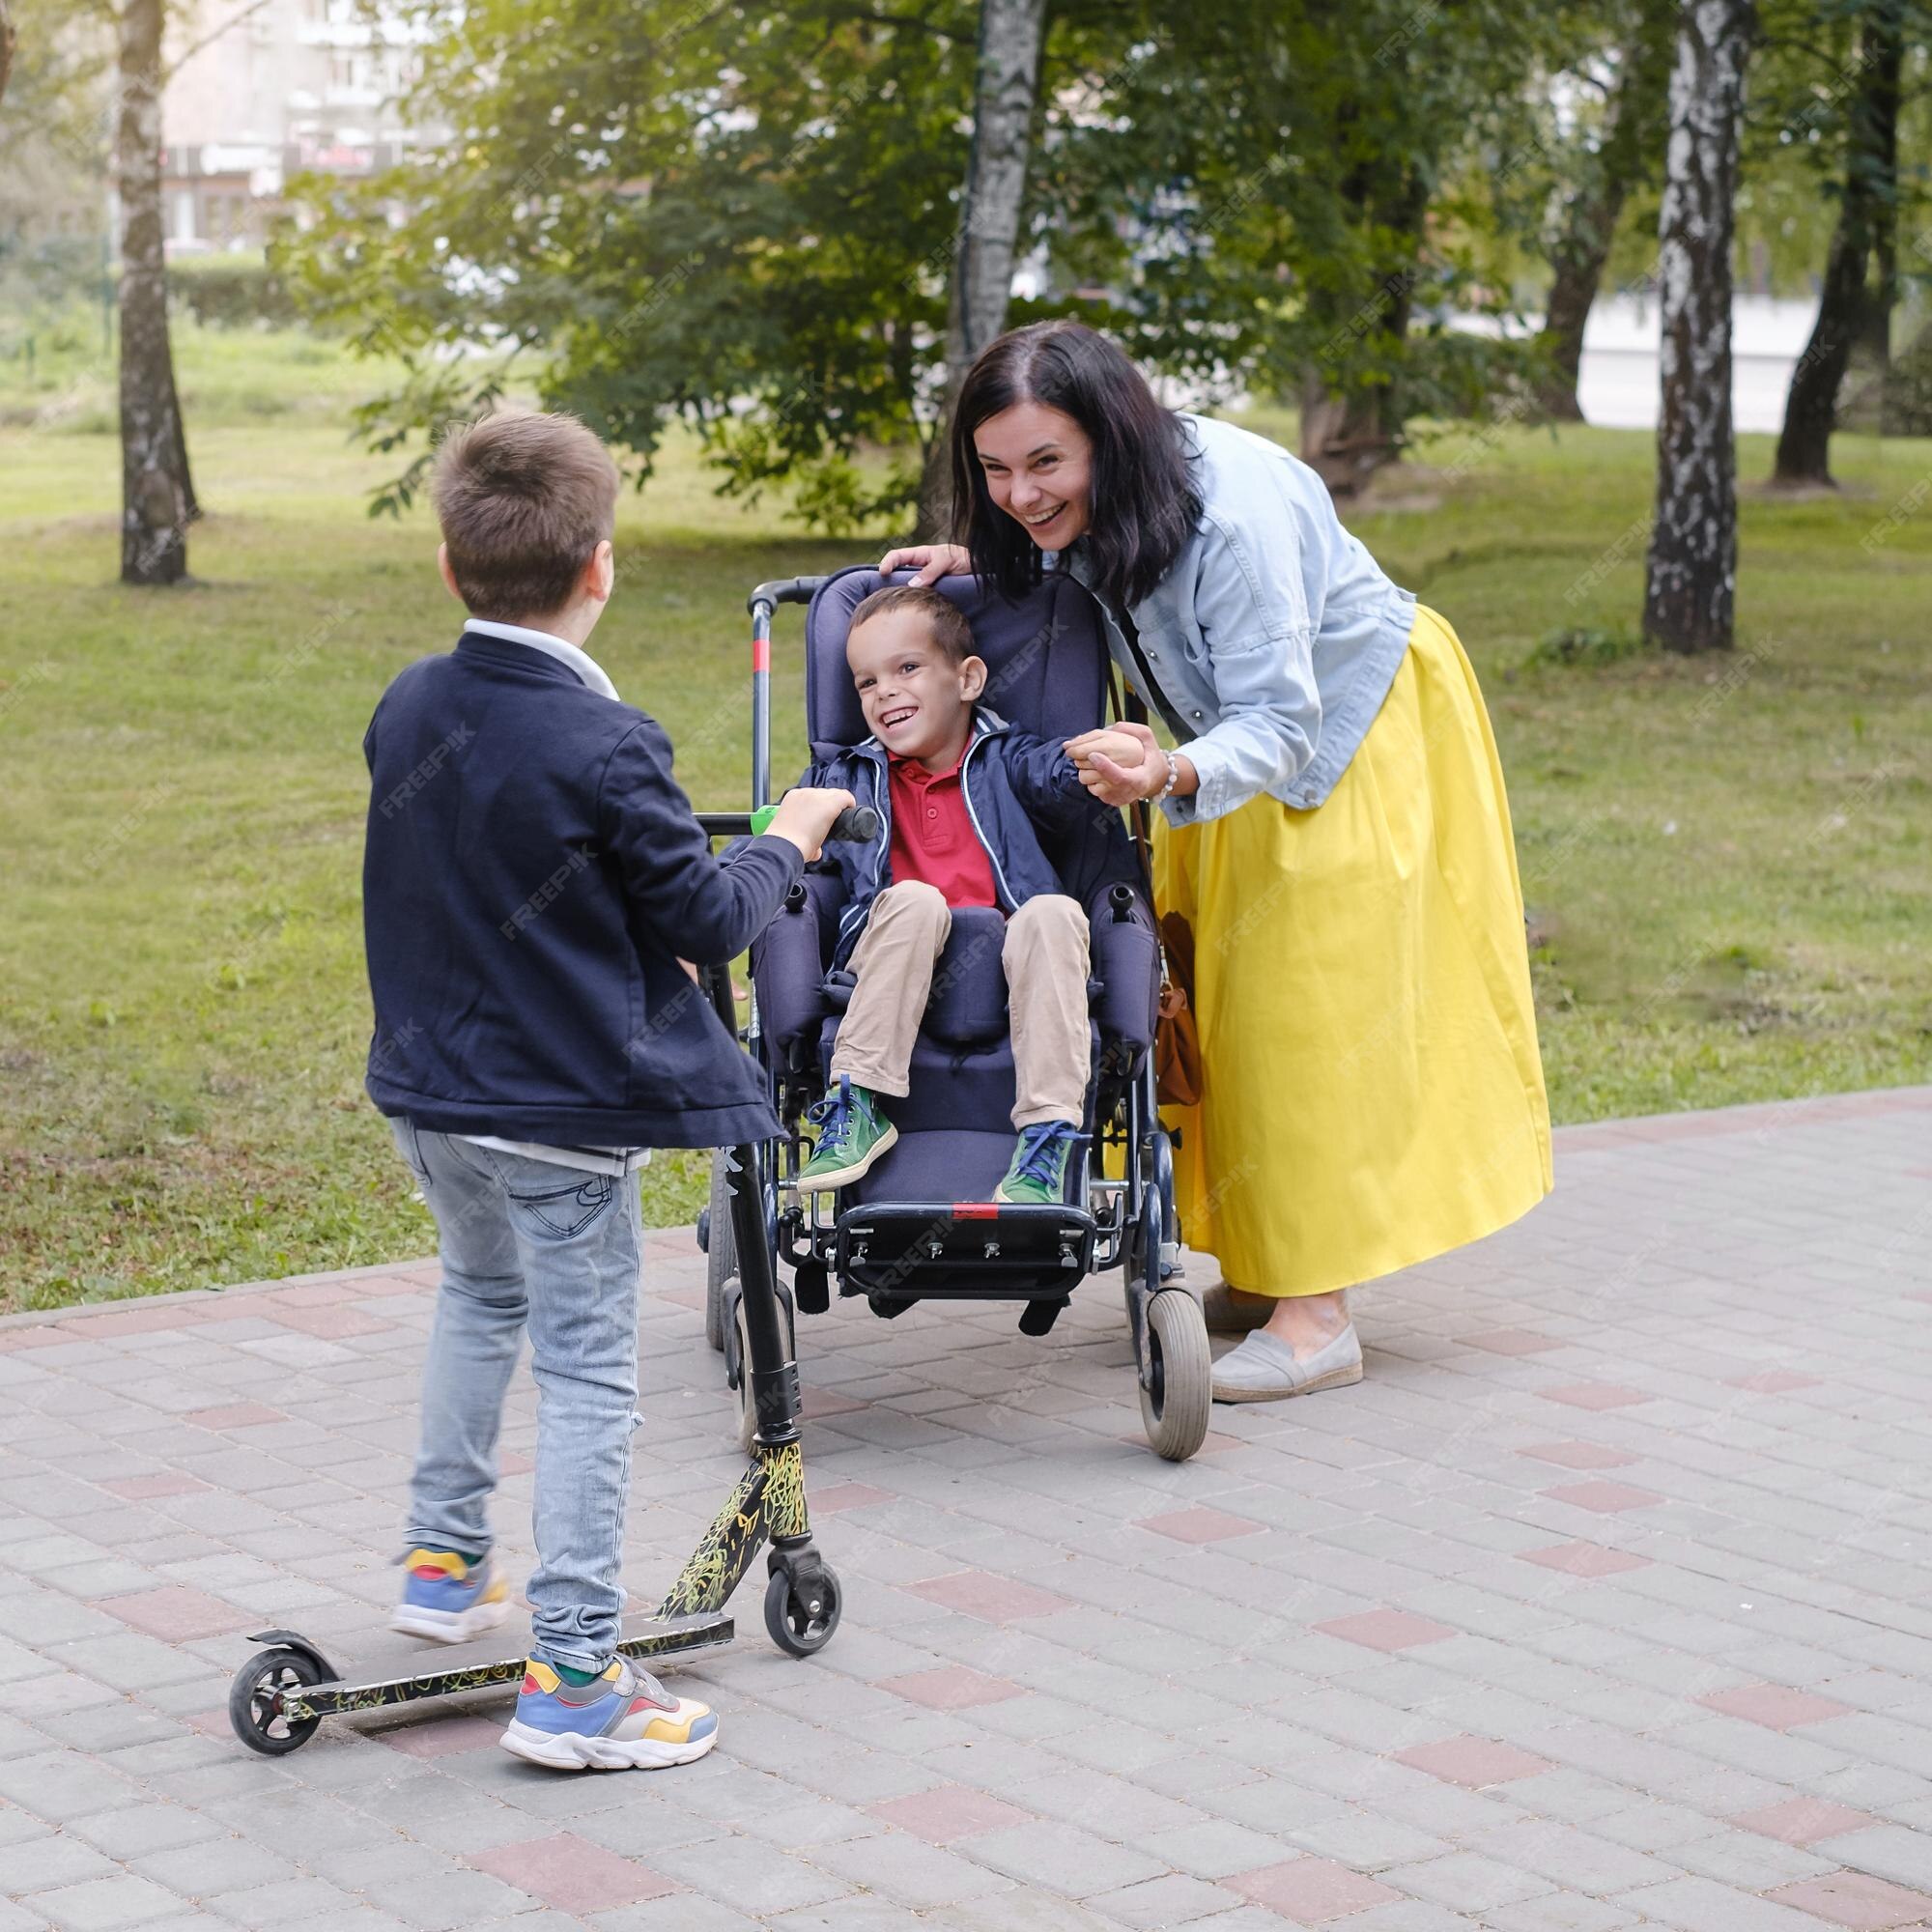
<point>931,561</point>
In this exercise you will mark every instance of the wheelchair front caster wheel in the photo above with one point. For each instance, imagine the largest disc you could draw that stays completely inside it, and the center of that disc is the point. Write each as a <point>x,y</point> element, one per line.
<point>255,1701</point>
<point>801,1628</point>
<point>1174,1407</point>
<point>811,1287</point>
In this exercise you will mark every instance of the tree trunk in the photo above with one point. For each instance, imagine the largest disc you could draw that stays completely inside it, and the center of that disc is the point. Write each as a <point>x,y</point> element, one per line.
<point>155,492</point>
<point>6,48</point>
<point>1880,103</point>
<point>1579,268</point>
<point>1811,403</point>
<point>1849,316</point>
<point>1690,577</point>
<point>989,220</point>
<point>1349,434</point>
<point>191,502</point>
<point>1624,160</point>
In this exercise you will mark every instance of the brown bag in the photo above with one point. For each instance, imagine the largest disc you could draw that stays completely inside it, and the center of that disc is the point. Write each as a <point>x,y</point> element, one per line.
<point>1177,1034</point>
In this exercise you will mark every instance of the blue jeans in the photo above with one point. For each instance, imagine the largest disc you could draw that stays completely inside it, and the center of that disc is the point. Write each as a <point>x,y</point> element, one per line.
<point>559,1250</point>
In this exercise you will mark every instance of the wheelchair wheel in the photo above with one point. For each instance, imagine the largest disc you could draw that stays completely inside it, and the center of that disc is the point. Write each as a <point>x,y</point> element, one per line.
<point>741,1349</point>
<point>748,1414</point>
<point>1175,1409</point>
<point>721,1250</point>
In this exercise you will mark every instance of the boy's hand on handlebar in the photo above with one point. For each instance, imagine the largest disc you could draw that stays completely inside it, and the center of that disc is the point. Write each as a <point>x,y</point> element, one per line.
<point>932,561</point>
<point>805,816</point>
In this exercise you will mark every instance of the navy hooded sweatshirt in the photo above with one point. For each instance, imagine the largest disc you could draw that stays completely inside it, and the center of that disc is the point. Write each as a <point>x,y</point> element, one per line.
<point>532,875</point>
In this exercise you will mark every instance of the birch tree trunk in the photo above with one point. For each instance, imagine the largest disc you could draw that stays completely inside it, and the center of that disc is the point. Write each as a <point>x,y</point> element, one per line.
<point>1691,575</point>
<point>155,499</point>
<point>1850,314</point>
<point>989,219</point>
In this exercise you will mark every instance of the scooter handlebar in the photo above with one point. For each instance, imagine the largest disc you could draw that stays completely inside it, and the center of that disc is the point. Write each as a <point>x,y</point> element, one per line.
<point>859,822</point>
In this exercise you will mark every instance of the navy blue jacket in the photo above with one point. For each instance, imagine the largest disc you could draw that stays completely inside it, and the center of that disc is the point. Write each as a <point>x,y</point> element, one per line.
<point>532,875</point>
<point>1040,827</point>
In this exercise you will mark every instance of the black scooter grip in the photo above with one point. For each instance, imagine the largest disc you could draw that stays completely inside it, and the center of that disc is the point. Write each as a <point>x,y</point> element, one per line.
<point>859,822</point>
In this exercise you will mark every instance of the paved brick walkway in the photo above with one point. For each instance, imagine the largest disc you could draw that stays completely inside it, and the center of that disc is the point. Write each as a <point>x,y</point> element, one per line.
<point>1603,1601</point>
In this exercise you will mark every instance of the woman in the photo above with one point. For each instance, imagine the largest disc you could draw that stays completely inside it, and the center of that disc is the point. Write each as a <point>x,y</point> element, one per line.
<point>1336,834</point>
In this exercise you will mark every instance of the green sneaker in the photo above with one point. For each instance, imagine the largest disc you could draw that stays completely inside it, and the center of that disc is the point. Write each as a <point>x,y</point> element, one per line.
<point>852,1134</point>
<point>1038,1170</point>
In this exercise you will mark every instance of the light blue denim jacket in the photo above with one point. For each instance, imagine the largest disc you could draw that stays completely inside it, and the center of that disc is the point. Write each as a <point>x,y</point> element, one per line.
<point>1274,636</point>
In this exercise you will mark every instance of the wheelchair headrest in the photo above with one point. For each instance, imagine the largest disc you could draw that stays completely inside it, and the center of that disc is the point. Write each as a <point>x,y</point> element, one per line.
<point>1045,655</point>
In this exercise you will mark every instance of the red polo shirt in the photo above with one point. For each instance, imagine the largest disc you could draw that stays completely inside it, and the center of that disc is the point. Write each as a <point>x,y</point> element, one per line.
<point>933,838</point>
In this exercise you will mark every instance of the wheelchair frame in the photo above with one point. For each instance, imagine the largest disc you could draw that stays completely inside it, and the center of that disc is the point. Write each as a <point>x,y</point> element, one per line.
<point>898,1253</point>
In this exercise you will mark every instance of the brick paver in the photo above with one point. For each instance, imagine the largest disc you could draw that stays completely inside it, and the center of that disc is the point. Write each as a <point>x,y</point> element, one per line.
<point>1603,1601</point>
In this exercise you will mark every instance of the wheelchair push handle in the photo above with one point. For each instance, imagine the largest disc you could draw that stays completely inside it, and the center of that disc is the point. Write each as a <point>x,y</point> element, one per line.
<point>782,590</point>
<point>859,822</point>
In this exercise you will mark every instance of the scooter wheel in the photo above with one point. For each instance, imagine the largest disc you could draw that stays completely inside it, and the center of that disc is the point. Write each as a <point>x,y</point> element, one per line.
<point>801,1628</point>
<point>255,1699</point>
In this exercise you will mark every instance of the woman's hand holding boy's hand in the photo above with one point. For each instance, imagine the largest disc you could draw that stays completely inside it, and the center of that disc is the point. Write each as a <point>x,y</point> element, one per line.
<point>1118,743</point>
<point>806,813</point>
<point>1118,764</point>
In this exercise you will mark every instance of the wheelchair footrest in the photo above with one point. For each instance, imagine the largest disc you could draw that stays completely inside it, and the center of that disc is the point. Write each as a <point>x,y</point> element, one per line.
<point>972,1250</point>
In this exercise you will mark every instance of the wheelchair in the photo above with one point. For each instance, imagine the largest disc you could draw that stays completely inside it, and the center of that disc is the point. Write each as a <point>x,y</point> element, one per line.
<point>922,1226</point>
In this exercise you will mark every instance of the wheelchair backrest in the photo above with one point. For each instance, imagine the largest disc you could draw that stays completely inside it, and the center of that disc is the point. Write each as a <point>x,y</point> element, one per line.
<point>1045,655</point>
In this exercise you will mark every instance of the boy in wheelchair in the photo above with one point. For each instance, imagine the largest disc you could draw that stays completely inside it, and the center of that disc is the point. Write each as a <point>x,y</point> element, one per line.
<point>964,805</point>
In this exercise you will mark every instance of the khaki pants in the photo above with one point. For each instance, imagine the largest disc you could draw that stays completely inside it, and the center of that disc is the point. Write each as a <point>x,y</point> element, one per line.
<point>1044,955</point>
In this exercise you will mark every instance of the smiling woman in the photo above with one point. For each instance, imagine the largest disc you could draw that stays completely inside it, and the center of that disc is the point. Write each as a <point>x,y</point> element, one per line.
<point>1336,836</point>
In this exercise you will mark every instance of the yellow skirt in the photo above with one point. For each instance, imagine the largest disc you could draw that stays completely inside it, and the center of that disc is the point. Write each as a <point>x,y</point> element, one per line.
<point>1371,1092</point>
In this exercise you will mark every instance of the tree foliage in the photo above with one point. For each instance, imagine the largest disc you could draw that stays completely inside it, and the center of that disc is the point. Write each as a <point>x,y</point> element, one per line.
<point>746,217</point>
<point>729,214</point>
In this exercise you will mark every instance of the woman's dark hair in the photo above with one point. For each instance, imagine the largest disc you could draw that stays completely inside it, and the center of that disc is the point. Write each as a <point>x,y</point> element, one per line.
<point>1141,505</point>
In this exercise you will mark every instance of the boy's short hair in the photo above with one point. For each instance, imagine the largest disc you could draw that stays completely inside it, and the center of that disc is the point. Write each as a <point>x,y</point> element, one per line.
<point>945,621</point>
<point>524,500</point>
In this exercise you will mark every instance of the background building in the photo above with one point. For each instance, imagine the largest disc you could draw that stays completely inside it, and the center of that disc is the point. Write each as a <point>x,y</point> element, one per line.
<point>290,85</point>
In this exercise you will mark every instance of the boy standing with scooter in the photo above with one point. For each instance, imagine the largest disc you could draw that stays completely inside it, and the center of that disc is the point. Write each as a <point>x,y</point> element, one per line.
<point>533,881</point>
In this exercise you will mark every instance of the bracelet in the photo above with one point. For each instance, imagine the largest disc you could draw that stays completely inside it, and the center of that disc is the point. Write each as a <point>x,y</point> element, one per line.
<point>1173,778</point>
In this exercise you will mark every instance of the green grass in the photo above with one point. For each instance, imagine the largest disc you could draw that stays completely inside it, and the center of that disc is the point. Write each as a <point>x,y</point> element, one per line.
<point>1728,865</point>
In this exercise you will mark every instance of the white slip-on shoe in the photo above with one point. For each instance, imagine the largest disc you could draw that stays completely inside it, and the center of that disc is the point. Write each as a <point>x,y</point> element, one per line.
<point>1263,1368</point>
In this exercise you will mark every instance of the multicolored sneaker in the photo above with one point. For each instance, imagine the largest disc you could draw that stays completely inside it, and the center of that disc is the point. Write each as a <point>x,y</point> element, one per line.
<point>1037,1171</point>
<point>447,1599</point>
<point>623,1721</point>
<point>852,1134</point>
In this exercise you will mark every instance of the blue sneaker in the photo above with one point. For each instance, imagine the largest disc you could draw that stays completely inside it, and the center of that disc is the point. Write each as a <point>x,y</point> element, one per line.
<point>623,1721</point>
<point>448,1600</point>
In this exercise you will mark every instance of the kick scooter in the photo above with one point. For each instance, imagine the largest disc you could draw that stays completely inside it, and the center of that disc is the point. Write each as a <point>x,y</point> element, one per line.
<point>282,1693</point>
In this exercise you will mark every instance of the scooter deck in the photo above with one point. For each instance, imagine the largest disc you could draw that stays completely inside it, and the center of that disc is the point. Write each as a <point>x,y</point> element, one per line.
<point>402,1669</point>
